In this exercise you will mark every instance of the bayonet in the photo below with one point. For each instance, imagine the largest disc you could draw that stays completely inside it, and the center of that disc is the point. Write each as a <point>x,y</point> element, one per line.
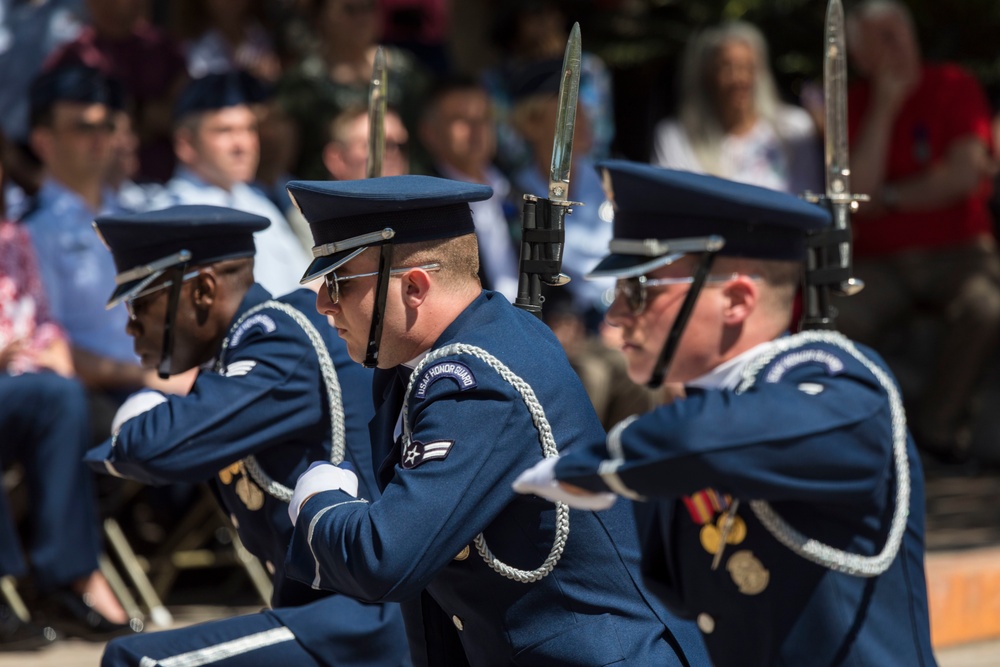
<point>542,220</point>
<point>377,102</point>
<point>828,266</point>
<point>838,168</point>
<point>569,94</point>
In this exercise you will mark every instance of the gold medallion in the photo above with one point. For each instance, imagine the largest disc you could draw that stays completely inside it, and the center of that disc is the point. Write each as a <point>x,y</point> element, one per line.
<point>249,493</point>
<point>748,573</point>
<point>737,529</point>
<point>463,554</point>
<point>226,474</point>
<point>711,538</point>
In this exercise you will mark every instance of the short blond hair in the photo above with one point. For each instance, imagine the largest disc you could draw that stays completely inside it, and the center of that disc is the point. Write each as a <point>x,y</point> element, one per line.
<point>458,257</point>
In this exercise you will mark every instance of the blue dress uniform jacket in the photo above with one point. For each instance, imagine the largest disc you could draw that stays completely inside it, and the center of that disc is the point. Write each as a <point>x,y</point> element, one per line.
<point>817,445</point>
<point>268,401</point>
<point>472,434</point>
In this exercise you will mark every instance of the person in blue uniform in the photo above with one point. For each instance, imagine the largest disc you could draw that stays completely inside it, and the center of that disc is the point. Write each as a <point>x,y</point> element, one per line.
<point>275,391</point>
<point>784,501</point>
<point>469,390</point>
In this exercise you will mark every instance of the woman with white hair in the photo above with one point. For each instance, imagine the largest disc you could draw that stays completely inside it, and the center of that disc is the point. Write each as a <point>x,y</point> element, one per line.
<point>731,122</point>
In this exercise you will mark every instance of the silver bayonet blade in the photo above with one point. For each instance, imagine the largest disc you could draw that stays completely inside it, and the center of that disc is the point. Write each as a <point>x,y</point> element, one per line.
<point>838,170</point>
<point>569,94</point>
<point>376,116</point>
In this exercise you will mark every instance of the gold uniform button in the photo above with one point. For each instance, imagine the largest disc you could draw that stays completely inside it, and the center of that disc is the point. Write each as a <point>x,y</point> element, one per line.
<point>706,623</point>
<point>463,554</point>
<point>458,623</point>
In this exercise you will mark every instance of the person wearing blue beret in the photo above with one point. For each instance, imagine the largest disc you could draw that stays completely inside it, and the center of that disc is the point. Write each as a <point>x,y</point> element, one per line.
<point>275,390</point>
<point>781,500</point>
<point>468,391</point>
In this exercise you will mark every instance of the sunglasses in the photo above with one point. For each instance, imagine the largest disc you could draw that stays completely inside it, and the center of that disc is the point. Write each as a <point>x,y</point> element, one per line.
<point>333,281</point>
<point>130,301</point>
<point>633,291</point>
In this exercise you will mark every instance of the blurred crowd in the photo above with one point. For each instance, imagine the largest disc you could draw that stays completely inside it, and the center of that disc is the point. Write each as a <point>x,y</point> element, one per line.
<point>117,105</point>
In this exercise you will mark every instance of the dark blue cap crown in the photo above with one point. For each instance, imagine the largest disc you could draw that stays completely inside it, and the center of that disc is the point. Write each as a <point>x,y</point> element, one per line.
<point>655,206</point>
<point>73,82</point>
<point>346,216</point>
<point>146,244</point>
<point>218,91</point>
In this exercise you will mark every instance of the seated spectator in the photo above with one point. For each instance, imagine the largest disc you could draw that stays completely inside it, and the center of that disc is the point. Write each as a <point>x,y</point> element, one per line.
<point>225,35</point>
<point>458,132</point>
<point>217,148</point>
<point>345,155</point>
<point>72,122</point>
<point>588,228</point>
<point>124,45</point>
<point>29,32</point>
<point>731,122</point>
<point>36,369</point>
<point>920,146</point>
<point>338,75</point>
<point>529,31</point>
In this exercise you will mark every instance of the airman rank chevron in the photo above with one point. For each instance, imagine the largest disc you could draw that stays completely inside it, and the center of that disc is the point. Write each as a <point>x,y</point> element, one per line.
<point>238,368</point>
<point>455,370</point>
<point>417,452</point>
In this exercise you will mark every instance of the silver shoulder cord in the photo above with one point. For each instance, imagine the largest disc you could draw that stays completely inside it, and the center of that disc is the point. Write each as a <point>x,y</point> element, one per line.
<point>808,548</point>
<point>330,381</point>
<point>545,438</point>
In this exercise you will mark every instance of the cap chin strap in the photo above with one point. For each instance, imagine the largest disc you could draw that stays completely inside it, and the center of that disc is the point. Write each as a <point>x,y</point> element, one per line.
<point>378,312</point>
<point>662,366</point>
<point>169,319</point>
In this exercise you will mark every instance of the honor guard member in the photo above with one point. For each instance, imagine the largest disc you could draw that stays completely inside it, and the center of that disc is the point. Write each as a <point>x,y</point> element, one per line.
<point>276,390</point>
<point>784,495</point>
<point>469,390</point>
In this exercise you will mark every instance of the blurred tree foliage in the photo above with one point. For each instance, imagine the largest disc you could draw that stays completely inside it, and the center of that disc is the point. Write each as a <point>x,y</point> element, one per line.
<point>642,41</point>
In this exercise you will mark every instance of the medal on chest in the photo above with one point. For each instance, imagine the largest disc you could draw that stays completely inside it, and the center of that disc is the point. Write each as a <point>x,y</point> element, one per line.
<point>722,526</point>
<point>246,489</point>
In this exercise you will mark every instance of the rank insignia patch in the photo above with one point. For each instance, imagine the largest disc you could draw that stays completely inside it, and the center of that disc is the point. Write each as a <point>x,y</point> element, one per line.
<point>455,370</point>
<point>238,368</point>
<point>417,452</point>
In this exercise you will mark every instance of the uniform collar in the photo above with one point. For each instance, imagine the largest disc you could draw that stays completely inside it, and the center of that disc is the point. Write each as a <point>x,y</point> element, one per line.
<point>728,374</point>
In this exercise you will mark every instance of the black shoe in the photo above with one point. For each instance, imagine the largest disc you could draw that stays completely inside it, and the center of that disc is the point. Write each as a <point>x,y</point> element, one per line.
<point>72,615</point>
<point>17,635</point>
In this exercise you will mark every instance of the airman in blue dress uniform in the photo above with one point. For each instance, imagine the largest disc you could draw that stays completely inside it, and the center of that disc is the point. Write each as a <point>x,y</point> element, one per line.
<point>785,504</point>
<point>276,390</point>
<point>468,391</point>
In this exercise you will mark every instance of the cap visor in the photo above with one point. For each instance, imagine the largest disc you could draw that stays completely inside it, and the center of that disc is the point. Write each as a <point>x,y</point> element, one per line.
<point>324,265</point>
<point>630,266</point>
<point>130,289</point>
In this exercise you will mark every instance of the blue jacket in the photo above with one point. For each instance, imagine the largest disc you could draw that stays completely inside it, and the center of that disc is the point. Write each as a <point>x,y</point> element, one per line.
<point>813,437</point>
<point>471,435</point>
<point>268,400</point>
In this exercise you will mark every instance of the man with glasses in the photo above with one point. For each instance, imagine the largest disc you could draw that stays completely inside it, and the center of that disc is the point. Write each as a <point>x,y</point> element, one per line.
<point>785,497</point>
<point>469,390</point>
<point>275,390</point>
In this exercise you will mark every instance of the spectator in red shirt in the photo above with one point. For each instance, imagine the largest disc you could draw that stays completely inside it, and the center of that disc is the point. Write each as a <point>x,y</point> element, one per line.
<point>921,147</point>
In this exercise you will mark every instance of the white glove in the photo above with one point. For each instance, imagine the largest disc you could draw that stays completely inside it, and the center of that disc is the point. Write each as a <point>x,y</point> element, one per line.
<point>321,476</point>
<point>135,405</point>
<point>540,480</point>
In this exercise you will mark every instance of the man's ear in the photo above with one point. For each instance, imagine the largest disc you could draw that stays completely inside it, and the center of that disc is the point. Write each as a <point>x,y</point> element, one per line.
<point>205,290</point>
<point>740,295</point>
<point>416,285</point>
<point>184,146</point>
<point>41,143</point>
